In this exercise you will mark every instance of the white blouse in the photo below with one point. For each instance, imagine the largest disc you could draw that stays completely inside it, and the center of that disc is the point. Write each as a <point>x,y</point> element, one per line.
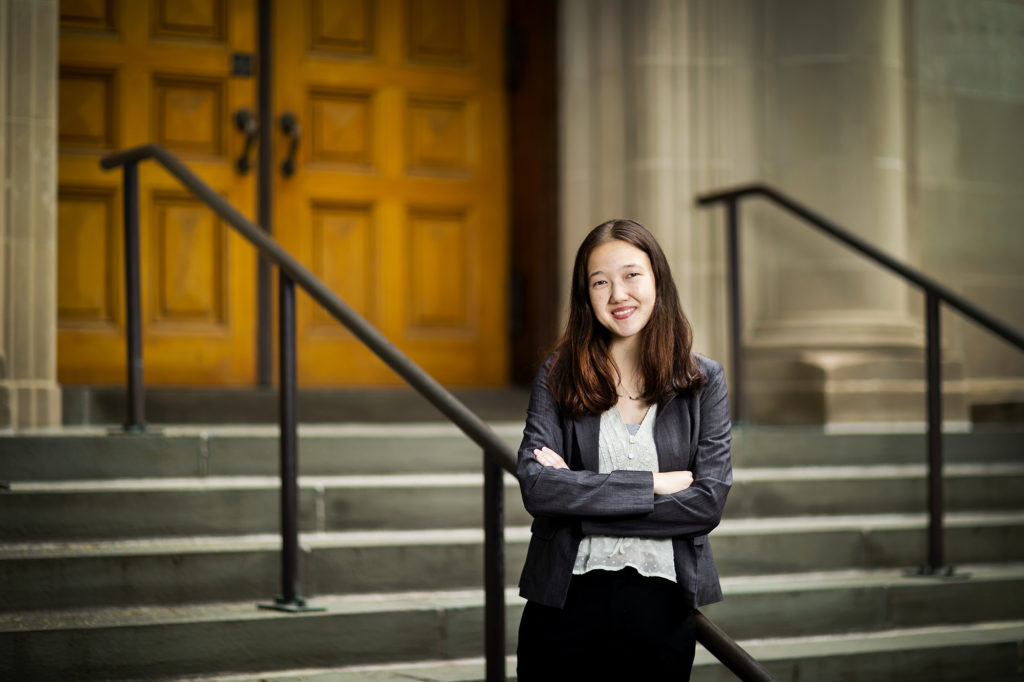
<point>619,449</point>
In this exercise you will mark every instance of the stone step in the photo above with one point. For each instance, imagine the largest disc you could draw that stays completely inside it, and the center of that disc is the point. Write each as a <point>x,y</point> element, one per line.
<point>866,600</point>
<point>206,569</point>
<point>880,488</point>
<point>236,568</point>
<point>148,642</point>
<point>377,628</point>
<point>89,453</point>
<point>93,453</point>
<point>984,651</point>
<point>785,545</point>
<point>980,651</point>
<point>225,505</point>
<point>251,405</point>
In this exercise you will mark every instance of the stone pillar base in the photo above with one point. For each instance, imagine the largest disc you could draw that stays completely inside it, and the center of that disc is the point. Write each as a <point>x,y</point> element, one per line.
<point>790,386</point>
<point>26,404</point>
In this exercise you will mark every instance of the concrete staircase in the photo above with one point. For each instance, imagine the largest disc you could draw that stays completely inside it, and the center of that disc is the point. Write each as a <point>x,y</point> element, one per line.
<point>145,556</point>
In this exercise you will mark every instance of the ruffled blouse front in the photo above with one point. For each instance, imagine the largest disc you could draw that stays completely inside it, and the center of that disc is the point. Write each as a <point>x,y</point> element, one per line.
<point>629,447</point>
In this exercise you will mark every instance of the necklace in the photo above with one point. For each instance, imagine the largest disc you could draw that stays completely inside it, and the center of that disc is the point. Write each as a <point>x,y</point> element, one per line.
<point>620,389</point>
<point>631,397</point>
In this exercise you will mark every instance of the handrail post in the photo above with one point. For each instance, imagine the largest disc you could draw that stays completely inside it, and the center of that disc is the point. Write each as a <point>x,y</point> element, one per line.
<point>933,352</point>
<point>735,306</point>
<point>494,570</point>
<point>136,415</point>
<point>289,441</point>
<point>289,600</point>
<point>265,191</point>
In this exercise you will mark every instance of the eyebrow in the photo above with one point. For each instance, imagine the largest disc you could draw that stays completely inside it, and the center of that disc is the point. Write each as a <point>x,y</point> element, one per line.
<point>624,267</point>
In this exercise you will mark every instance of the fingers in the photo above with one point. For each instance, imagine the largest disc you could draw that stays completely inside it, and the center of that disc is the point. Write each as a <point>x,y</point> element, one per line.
<point>685,479</point>
<point>550,458</point>
<point>669,482</point>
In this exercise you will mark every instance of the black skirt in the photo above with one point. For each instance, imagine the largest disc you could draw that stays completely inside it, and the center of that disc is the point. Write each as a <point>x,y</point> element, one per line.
<point>616,625</point>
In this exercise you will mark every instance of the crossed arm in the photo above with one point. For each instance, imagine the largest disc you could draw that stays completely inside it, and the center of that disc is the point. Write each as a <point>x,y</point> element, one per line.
<point>629,503</point>
<point>665,482</point>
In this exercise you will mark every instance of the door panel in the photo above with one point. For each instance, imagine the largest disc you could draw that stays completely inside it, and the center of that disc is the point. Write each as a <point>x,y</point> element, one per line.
<point>398,199</point>
<point>133,73</point>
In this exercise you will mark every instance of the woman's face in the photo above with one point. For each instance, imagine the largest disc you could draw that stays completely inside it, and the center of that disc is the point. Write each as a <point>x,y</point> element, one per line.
<point>621,286</point>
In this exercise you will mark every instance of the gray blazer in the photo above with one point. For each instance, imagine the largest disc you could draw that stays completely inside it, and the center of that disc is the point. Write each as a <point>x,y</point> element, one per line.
<point>692,433</point>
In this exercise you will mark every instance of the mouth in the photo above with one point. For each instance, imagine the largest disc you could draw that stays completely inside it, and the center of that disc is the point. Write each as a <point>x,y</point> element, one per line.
<point>623,313</point>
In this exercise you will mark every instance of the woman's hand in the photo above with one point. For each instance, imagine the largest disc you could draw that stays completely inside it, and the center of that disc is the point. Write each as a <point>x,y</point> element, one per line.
<point>668,482</point>
<point>550,458</point>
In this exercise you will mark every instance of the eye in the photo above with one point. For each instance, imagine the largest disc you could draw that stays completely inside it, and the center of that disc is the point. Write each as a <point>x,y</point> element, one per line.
<point>597,283</point>
<point>633,274</point>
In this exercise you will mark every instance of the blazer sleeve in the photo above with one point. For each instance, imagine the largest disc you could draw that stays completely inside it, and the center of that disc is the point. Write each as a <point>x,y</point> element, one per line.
<point>698,509</point>
<point>565,492</point>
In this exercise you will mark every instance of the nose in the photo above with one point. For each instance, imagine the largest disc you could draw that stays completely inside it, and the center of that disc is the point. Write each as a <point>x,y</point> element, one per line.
<point>618,292</point>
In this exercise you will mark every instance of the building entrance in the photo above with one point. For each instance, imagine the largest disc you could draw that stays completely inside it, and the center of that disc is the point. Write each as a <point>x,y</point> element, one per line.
<point>389,184</point>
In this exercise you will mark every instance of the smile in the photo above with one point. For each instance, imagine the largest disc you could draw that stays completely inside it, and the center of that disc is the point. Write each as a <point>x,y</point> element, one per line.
<point>623,313</point>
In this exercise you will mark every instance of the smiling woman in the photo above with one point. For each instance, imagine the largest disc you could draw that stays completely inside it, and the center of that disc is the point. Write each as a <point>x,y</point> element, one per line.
<point>625,466</point>
<point>626,331</point>
<point>621,289</point>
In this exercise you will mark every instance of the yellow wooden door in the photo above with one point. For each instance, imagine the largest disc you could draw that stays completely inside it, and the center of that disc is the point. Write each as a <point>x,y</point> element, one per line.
<point>134,72</point>
<point>398,197</point>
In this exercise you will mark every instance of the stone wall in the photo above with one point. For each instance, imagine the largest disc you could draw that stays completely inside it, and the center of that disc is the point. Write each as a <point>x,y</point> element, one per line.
<point>833,104</point>
<point>966,147</point>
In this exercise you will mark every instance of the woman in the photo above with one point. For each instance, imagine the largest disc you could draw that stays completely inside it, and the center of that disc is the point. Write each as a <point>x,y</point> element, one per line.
<point>625,467</point>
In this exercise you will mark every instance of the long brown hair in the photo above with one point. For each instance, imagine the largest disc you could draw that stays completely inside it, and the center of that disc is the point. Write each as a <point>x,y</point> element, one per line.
<point>583,375</point>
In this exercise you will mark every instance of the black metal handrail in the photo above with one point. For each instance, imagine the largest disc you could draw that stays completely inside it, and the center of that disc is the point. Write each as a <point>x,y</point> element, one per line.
<point>731,654</point>
<point>497,454</point>
<point>935,293</point>
<point>426,385</point>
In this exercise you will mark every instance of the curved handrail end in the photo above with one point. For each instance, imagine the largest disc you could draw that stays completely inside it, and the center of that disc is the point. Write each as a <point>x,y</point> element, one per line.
<point>143,151</point>
<point>873,253</point>
<point>733,192</point>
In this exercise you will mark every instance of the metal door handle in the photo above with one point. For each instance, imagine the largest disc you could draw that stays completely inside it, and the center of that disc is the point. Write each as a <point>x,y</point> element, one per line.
<point>290,127</point>
<point>245,121</point>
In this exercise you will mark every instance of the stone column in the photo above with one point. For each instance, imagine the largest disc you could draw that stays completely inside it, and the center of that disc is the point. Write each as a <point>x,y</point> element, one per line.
<point>29,394</point>
<point>832,337</point>
<point>694,66</point>
<point>592,126</point>
<point>665,99</point>
<point>657,104</point>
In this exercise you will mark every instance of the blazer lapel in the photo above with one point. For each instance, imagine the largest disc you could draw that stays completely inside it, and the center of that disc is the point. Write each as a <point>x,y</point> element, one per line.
<point>672,436</point>
<point>587,429</point>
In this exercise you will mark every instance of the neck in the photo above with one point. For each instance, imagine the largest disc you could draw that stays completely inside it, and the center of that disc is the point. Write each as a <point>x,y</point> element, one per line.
<point>626,355</point>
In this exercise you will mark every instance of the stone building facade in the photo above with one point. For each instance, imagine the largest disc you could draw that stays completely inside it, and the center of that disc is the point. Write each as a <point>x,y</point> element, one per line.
<point>899,119</point>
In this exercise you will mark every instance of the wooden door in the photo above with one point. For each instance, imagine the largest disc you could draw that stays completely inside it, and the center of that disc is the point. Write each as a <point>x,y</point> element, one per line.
<point>134,72</point>
<point>398,197</point>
